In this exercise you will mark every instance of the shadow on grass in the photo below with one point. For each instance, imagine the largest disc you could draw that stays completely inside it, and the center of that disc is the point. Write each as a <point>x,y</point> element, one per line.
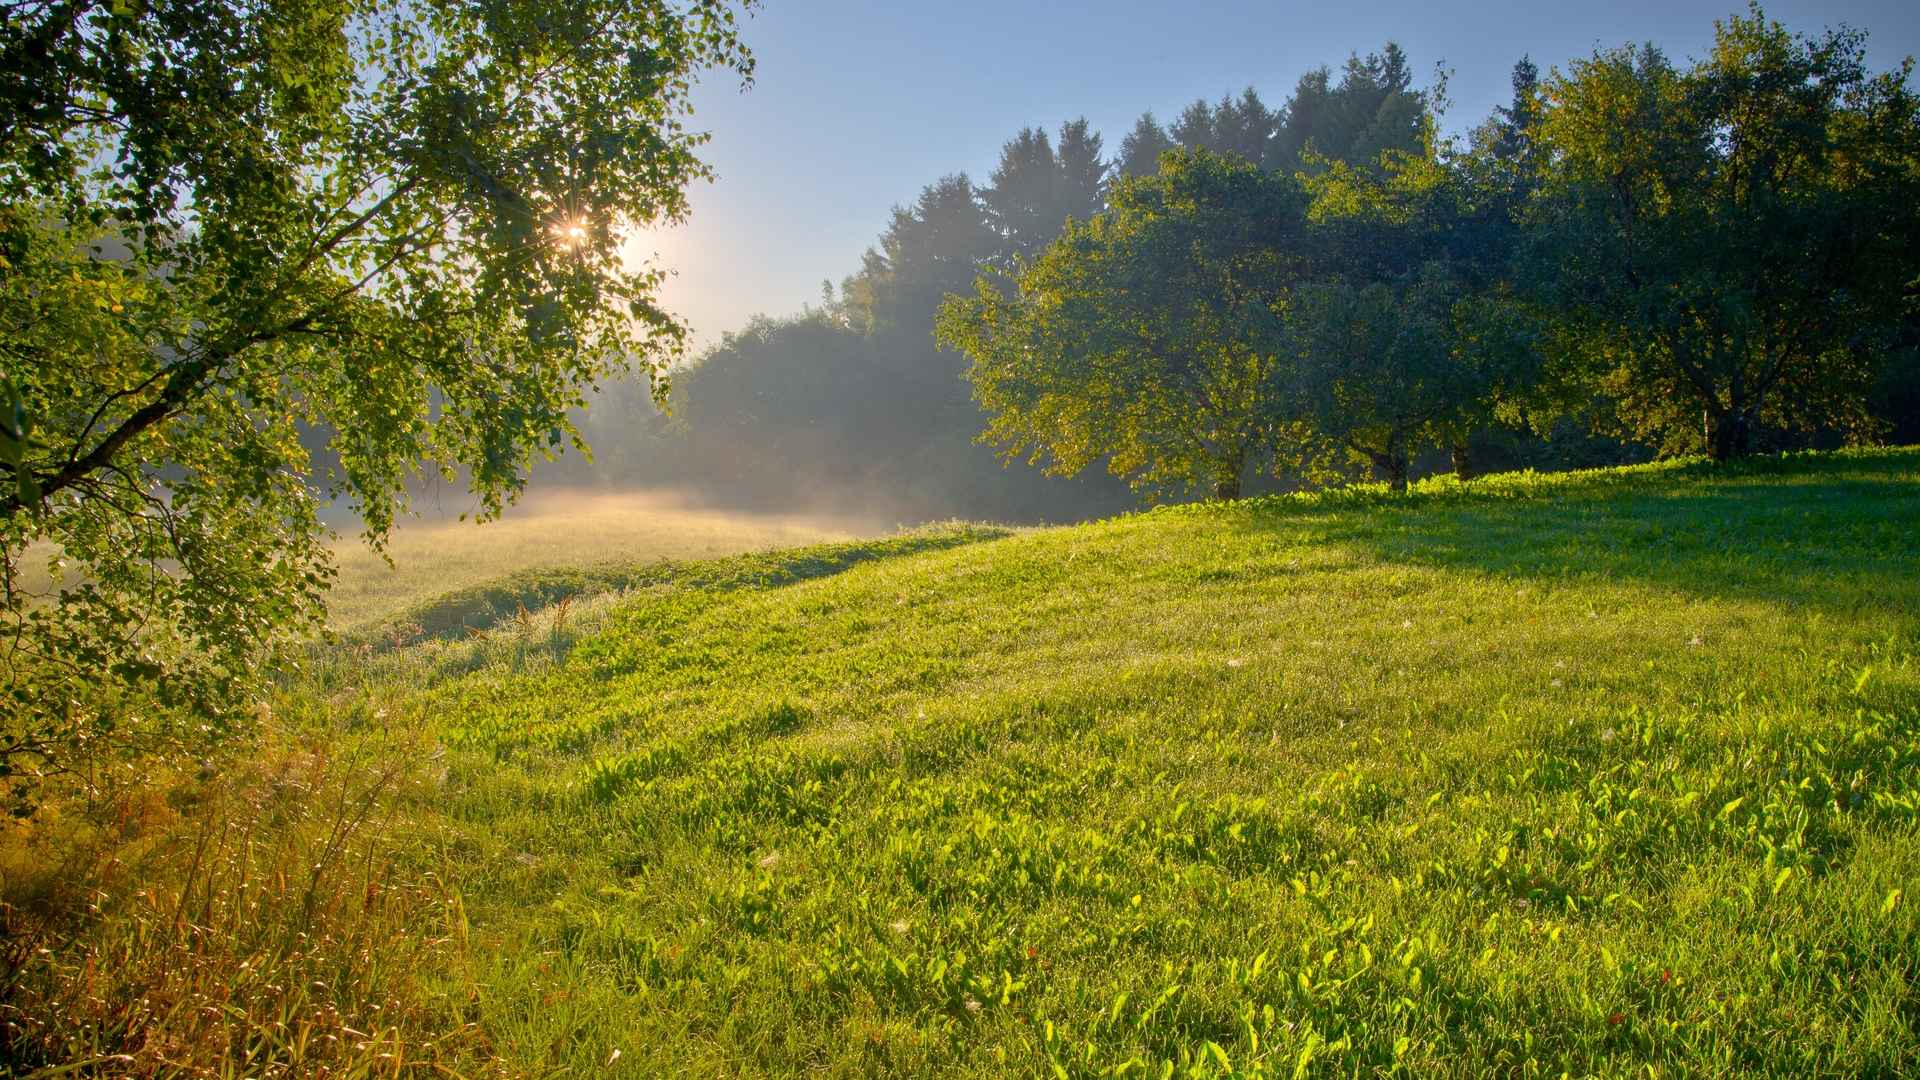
<point>1835,534</point>
<point>479,607</point>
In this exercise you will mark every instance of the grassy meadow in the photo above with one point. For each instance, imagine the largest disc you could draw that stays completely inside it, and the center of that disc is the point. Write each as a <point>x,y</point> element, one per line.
<point>1597,774</point>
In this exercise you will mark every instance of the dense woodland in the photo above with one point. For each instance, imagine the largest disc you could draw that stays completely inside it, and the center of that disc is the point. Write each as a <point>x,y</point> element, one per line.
<point>854,404</point>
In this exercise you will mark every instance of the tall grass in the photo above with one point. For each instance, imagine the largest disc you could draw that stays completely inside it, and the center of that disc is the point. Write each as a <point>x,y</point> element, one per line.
<point>262,920</point>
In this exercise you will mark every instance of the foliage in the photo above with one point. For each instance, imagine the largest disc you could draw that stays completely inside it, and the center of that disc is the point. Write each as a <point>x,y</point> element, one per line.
<point>928,250</point>
<point>1140,151</point>
<point>1036,188</point>
<point>1499,242</point>
<point>1640,245</point>
<point>1391,305</point>
<point>1412,335</point>
<point>854,405</point>
<point>1392,366</point>
<point>1730,245</point>
<point>1371,110</point>
<point>816,415</point>
<point>224,225</point>
<point>1149,337</point>
<point>1214,320</point>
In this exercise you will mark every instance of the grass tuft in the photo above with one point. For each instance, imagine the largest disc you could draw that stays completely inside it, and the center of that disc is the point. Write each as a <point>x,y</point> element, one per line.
<point>264,920</point>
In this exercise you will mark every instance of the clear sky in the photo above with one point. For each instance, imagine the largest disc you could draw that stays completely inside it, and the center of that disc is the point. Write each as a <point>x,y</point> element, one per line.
<point>857,104</point>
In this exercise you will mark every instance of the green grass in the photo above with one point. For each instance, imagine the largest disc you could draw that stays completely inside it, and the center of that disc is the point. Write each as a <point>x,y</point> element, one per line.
<point>1587,774</point>
<point>1608,774</point>
<point>527,597</point>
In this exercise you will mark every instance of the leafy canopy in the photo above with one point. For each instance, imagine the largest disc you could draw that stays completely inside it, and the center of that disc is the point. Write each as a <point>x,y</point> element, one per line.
<point>1150,336</point>
<point>1410,335</point>
<point>230,231</point>
<point>1731,244</point>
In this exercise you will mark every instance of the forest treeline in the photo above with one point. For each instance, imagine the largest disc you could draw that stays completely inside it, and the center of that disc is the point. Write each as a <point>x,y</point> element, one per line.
<point>1765,183</point>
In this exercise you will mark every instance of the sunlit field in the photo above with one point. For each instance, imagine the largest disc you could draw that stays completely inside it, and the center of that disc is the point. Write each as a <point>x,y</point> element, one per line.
<point>436,555</point>
<point>1609,774</point>
<point>1110,549</point>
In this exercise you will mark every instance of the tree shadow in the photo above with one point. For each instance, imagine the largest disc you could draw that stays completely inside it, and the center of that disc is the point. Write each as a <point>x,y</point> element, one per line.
<point>1837,534</point>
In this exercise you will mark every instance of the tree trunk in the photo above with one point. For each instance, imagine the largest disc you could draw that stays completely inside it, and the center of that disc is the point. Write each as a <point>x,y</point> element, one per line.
<point>1391,466</point>
<point>1729,435</point>
<point>1462,461</point>
<point>1226,475</point>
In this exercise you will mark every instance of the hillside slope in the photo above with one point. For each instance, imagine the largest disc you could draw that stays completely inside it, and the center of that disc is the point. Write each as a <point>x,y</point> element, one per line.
<point>1587,773</point>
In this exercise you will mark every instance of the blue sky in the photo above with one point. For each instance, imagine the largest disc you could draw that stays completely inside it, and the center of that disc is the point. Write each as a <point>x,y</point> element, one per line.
<point>859,103</point>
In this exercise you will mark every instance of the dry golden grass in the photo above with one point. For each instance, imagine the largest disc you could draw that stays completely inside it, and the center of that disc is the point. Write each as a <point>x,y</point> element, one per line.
<point>262,920</point>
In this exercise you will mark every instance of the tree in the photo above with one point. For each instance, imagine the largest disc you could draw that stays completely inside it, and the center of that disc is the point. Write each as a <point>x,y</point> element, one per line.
<point>1034,189</point>
<point>1511,133</point>
<point>1388,366</point>
<point>1083,171</point>
<point>1731,245</point>
<point>1303,123</point>
<point>1140,151</point>
<point>807,412</point>
<point>1411,334</point>
<point>1242,126</point>
<point>928,250</point>
<point>1504,157</point>
<point>224,224</point>
<point>1150,337</point>
<point>1373,109</point>
<point>1023,191</point>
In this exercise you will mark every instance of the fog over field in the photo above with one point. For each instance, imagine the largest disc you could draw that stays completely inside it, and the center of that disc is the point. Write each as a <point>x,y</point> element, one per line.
<point>438,551</point>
